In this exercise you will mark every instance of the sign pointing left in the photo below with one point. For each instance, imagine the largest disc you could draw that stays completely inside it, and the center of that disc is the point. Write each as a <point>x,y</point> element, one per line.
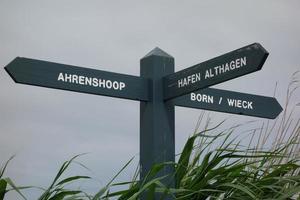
<point>77,79</point>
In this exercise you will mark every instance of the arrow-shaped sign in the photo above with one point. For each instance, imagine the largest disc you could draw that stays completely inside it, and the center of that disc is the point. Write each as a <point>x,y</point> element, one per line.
<point>231,102</point>
<point>78,79</point>
<point>228,66</point>
<point>154,87</point>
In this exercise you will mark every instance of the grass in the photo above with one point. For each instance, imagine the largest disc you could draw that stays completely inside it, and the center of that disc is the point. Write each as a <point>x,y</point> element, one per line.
<point>214,164</point>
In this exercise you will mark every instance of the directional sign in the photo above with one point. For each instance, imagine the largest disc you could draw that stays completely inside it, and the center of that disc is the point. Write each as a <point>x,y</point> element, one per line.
<point>231,102</point>
<point>78,79</point>
<point>228,66</point>
<point>157,84</point>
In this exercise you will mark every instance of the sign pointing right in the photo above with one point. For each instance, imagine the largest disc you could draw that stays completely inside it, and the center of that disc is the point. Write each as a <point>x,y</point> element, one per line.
<point>231,65</point>
<point>231,102</point>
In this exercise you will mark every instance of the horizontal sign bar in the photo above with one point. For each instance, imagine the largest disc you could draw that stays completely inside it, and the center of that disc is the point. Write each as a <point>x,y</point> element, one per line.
<point>77,79</point>
<point>231,102</point>
<point>228,66</point>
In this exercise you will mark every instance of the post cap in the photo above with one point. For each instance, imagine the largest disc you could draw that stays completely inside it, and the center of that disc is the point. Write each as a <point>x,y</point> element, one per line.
<point>157,52</point>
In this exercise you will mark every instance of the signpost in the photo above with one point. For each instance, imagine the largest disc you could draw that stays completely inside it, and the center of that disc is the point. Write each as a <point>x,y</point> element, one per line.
<point>77,79</point>
<point>231,102</point>
<point>217,70</point>
<point>159,89</point>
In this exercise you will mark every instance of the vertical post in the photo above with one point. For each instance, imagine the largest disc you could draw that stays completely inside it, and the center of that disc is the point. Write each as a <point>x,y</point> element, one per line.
<point>157,126</point>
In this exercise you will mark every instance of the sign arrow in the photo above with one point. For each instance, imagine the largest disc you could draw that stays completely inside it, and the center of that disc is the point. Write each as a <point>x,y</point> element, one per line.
<point>231,65</point>
<point>231,102</point>
<point>77,79</point>
<point>159,83</point>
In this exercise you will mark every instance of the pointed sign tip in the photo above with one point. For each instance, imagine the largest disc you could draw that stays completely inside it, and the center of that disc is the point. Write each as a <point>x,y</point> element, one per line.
<point>263,54</point>
<point>259,46</point>
<point>9,73</point>
<point>158,52</point>
<point>10,68</point>
<point>280,109</point>
<point>276,108</point>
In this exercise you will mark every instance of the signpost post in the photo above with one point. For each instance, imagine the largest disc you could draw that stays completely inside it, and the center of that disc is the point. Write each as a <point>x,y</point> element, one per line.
<point>159,89</point>
<point>157,118</point>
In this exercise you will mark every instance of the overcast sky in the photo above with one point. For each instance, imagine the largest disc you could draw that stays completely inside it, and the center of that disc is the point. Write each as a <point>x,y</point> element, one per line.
<point>45,127</point>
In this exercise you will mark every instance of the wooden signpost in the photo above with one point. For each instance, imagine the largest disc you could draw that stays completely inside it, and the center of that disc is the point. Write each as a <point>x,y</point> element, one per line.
<point>159,90</point>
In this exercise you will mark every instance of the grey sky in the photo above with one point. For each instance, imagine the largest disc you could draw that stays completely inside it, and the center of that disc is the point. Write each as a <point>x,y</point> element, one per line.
<point>44,127</point>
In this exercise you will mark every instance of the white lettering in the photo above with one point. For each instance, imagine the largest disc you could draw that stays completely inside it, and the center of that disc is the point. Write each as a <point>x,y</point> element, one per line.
<point>122,85</point>
<point>226,67</point>
<point>185,82</point>
<point>95,82</point>
<point>81,80</point>
<point>202,98</point>
<point>207,74</point>
<point>250,105</point>
<point>60,77</point>
<point>221,69</point>
<point>189,79</point>
<point>102,83</point>
<point>237,103</point>
<point>68,78</point>
<point>237,63</point>
<point>243,61</point>
<point>232,65</point>
<point>108,84</point>
<point>193,96</point>
<point>198,77</point>
<point>116,85</point>
<point>90,81</point>
<point>230,102</point>
<point>180,83</point>
<point>74,79</point>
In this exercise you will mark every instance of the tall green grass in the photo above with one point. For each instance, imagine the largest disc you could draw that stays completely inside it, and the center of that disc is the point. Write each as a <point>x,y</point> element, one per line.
<point>6,181</point>
<point>215,163</point>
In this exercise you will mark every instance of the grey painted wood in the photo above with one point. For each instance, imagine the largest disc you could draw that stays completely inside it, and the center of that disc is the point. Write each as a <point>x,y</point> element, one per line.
<point>254,54</point>
<point>157,89</point>
<point>157,126</point>
<point>46,74</point>
<point>231,102</point>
